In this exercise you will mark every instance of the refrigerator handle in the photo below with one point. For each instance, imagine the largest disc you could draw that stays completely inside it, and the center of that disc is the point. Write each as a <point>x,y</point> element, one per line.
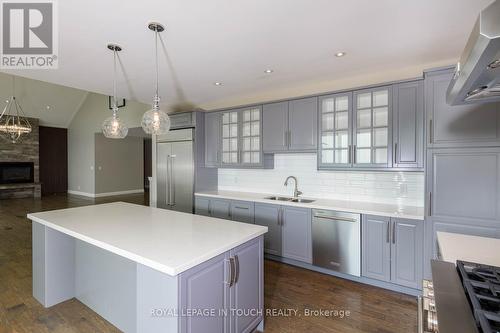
<point>172,178</point>
<point>169,181</point>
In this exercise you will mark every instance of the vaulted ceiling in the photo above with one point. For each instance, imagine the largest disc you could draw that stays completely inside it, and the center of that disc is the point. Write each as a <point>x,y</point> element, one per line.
<point>233,42</point>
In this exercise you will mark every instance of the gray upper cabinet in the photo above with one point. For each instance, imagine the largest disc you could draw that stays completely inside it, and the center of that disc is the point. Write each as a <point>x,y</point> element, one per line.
<point>463,184</point>
<point>204,287</point>
<point>242,211</point>
<point>458,126</point>
<point>407,252</point>
<point>335,131</point>
<point>297,239</point>
<point>275,127</point>
<point>372,130</point>
<point>182,120</point>
<point>247,294</point>
<point>408,125</point>
<point>376,247</point>
<point>290,126</point>
<point>212,139</point>
<point>303,124</point>
<point>270,216</point>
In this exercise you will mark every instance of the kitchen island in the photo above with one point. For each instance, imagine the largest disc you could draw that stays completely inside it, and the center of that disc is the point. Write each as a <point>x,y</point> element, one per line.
<point>151,270</point>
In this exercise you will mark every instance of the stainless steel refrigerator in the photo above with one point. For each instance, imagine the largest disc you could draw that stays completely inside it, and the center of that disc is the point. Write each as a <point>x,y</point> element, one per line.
<point>175,170</point>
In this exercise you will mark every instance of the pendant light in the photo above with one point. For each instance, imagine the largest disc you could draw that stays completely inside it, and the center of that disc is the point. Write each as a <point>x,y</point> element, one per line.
<point>156,121</point>
<point>113,127</point>
<point>13,122</point>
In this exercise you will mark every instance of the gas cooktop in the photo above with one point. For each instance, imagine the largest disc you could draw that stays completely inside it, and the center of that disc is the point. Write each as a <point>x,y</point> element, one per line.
<point>482,286</point>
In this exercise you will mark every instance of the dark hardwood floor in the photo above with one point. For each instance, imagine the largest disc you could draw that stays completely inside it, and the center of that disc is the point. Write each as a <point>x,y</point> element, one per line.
<point>287,289</point>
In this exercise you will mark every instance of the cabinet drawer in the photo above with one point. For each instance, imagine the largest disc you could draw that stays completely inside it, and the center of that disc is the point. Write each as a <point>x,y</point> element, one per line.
<point>242,211</point>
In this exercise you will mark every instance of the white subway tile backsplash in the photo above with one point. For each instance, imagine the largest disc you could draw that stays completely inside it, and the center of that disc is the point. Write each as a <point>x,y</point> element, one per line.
<point>403,188</point>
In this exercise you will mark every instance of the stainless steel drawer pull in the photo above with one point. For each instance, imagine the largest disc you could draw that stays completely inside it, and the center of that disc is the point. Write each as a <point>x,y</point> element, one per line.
<point>239,207</point>
<point>388,235</point>
<point>236,269</point>
<point>335,218</point>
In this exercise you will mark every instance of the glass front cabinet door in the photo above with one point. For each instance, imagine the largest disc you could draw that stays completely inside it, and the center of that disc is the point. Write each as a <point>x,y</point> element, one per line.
<point>335,118</point>
<point>230,150</point>
<point>251,143</point>
<point>372,144</point>
<point>241,137</point>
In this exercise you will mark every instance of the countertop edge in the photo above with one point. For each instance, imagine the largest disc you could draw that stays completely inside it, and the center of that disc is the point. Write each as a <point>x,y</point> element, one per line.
<point>312,206</point>
<point>142,260</point>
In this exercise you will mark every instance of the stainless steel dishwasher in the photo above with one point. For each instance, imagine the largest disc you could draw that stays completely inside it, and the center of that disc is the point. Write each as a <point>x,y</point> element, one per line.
<point>337,241</point>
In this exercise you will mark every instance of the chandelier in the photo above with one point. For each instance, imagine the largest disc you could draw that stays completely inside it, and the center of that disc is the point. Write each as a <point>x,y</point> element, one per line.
<point>13,122</point>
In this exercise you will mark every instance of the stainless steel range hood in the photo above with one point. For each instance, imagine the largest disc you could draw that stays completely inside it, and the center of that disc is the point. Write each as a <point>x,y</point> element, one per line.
<point>477,75</point>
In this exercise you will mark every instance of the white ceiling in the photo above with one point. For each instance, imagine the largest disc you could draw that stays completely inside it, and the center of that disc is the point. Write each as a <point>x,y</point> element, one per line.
<point>235,41</point>
<point>52,104</point>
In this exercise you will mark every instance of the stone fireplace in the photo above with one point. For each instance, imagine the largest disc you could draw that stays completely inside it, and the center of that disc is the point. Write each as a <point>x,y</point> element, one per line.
<point>16,172</point>
<point>19,165</point>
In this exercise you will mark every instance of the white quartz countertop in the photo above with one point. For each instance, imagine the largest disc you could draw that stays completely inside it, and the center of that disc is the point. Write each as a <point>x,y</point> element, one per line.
<point>170,242</point>
<point>409,212</point>
<point>483,250</point>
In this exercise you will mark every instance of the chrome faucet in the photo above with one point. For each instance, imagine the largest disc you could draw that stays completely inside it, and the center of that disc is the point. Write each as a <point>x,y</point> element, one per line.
<point>296,191</point>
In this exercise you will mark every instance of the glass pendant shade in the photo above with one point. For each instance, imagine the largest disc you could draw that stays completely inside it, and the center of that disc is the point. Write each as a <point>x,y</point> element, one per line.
<point>114,128</point>
<point>155,121</point>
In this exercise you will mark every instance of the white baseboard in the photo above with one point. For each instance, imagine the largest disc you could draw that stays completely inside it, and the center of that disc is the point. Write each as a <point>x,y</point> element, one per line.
<point>84,194</point>
<point>106,194</point>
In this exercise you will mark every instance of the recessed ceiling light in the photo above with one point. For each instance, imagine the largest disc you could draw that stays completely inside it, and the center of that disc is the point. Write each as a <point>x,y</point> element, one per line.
<point>218,83</point>
<point>339,54</point>
<point>48,107</point>
<point>268,71</point>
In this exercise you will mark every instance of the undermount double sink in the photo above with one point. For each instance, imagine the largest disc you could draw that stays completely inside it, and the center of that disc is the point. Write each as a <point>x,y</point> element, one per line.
<point>299,200</point>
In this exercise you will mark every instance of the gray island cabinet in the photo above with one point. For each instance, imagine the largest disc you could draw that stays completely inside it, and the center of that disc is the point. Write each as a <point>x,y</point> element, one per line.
<point>151,270</point>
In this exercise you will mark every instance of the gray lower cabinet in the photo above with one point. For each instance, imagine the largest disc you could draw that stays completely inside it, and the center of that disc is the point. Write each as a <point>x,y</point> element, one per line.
<point>376,247</point>
<point>392,250</point>
<point>407,252</point>
<point>202,206</point>
<point>297,239</point>
<point>205,287</point>
<point>408,125</point>
<point>247,293</point>
<point>475,124</point>
<point>212,139</point>
<point>210,286</point>
<point>269,216</point>
<point>242,211</point>
<point>220,208</point>
<point>290,126</point>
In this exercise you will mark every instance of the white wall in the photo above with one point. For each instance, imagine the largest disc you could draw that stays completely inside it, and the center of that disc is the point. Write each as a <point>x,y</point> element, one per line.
<point>81,139</point>
<point>119,164</point>
<point>404,188</point>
